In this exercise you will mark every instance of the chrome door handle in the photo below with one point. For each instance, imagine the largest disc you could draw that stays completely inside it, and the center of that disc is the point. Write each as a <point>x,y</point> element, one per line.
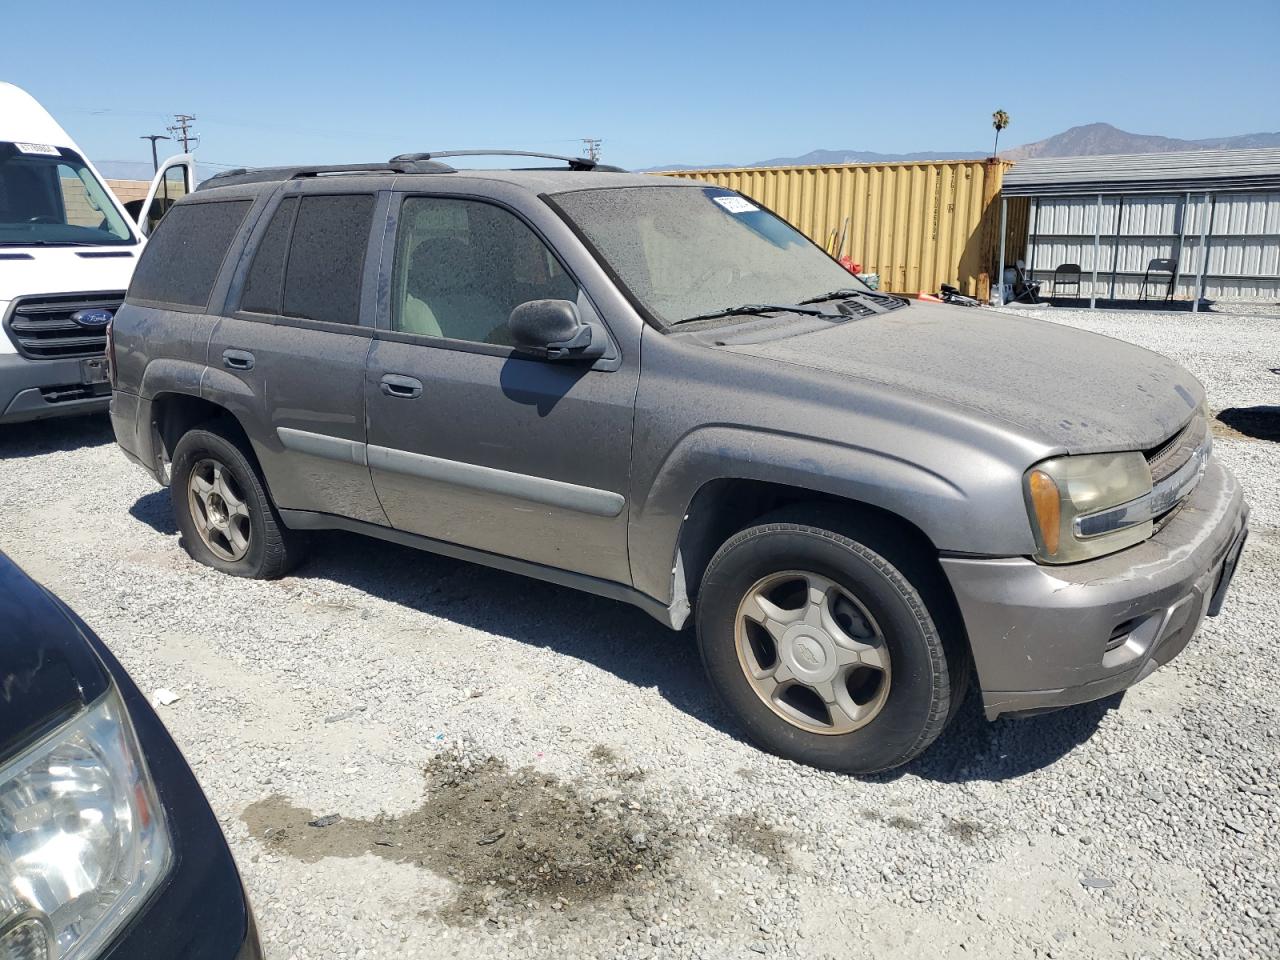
<point>237,359</point>
<point>403,388</point>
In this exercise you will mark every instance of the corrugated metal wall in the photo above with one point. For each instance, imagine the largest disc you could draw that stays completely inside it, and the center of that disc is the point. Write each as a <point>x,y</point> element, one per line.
<point>1243,241</point>
<point>918,225</point>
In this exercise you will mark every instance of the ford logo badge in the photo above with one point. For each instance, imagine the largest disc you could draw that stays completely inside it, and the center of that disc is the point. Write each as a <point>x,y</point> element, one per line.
<point>94,319</point>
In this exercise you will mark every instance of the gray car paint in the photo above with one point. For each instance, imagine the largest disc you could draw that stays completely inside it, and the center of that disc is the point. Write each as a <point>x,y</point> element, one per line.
<point>1082,392</point>
<point>931,413</point>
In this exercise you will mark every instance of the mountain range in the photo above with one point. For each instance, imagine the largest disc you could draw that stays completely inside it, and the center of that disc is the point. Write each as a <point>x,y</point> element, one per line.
<point>1091,139</point>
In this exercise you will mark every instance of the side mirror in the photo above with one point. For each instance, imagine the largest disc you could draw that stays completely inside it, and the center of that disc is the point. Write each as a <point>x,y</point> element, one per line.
<point>552,328</point>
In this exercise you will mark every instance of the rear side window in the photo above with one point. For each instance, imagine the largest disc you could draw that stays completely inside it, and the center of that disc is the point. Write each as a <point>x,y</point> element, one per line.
<point>266,276</point>
<point>184,255</point>
<point>326,258</point>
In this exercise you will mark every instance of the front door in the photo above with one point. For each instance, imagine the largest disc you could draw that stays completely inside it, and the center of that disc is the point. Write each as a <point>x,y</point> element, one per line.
<point>296,337</point>
<point>472,443</point>
<point>175,178</point>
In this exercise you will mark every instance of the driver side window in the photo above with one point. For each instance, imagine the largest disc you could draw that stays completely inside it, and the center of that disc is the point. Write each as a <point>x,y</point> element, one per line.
<point>462,266</point>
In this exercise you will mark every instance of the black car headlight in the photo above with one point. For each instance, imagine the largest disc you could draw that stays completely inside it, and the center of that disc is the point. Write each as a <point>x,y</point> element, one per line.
<point>83,839</point>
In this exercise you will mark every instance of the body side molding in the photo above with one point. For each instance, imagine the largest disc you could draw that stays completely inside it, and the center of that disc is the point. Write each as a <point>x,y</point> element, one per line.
<point>555,493</point>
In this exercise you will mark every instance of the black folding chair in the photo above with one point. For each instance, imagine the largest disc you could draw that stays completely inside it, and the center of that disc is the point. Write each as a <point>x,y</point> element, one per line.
<point>1156,269</point>
<point>1025,290</point>
<point>1067,275</point>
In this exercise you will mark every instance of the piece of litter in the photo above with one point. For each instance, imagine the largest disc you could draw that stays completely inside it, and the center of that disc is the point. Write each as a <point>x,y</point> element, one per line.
<point>490,838</point>
<point>165,697</point>
<point>326,821</point>
<point>1096,883</point>
<point>383,843</point>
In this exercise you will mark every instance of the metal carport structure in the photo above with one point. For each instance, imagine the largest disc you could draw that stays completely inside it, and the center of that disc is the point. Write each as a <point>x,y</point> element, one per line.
<point>1216,213</point>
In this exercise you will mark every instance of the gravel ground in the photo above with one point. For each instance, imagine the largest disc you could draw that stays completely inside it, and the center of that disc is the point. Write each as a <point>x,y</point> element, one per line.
<point>521,770</point>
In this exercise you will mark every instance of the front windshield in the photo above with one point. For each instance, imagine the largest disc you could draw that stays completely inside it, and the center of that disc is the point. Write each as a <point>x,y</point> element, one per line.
<point>688,252</point>
<point>49,197</point>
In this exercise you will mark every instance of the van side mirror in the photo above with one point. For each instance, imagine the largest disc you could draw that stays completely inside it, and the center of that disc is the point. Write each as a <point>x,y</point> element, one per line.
<point>553,329</point>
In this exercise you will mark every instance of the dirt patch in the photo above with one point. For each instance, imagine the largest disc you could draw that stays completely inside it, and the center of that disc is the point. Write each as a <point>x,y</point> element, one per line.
<point>966,831</point>
<point>752,834</point>
<point>602,754</point>
<point>897,821</point>
<point>1248,423</point>
<point>506,838</point>
<point>613,765</point>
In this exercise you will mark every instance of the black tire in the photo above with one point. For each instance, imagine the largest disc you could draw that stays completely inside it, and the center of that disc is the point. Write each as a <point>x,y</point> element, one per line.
<point>272,548</point>
<point>901,590</point>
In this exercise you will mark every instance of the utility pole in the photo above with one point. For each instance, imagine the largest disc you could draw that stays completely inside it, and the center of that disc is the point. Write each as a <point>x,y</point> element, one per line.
<point>591,147</point>
<point>155,160</point>
<point>181,129</point>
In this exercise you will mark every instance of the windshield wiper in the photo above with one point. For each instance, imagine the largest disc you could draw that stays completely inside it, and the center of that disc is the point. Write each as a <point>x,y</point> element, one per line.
<point>755,309</point>
<point>844,292</point>
<point>849,293</point>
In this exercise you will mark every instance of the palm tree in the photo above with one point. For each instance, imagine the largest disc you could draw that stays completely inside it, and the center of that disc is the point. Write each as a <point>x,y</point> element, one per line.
<point>999,120</point>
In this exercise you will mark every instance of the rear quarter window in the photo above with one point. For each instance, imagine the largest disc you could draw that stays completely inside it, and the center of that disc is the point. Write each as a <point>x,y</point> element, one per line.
<point>182,259</point>
<point>326,258</point>
<point>266,275</point>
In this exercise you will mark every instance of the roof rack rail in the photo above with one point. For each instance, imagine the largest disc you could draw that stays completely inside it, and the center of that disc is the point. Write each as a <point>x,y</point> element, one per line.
<point>575,163</point>
<point>268,174</point>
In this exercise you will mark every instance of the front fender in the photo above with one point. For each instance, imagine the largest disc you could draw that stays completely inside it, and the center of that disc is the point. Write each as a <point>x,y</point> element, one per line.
<point>955,515</point>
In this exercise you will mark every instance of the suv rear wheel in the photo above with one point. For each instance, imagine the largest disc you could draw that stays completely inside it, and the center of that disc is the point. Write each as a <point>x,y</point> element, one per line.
<point>224,513</point>
<point>825,648</point>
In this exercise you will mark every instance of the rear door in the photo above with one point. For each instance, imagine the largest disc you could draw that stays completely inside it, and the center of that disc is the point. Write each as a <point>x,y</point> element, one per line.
<point>292,347</point>
<point>471,442</point>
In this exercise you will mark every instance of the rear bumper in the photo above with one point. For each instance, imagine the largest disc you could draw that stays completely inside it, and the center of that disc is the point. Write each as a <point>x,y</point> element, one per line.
<point>37,389</point>
<point>1039,634</point>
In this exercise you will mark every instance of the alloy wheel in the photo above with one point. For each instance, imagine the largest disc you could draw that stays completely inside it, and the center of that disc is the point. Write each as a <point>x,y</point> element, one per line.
<point>219,510</point>
<point>812,652</point>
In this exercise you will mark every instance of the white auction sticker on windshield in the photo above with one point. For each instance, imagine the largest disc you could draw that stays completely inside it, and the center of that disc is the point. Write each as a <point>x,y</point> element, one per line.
<point>736,204</point>
<point>43,149</point>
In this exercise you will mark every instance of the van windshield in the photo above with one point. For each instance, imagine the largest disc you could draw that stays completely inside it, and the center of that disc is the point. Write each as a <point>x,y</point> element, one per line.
<point>49,197</point>
<point>688,252</point>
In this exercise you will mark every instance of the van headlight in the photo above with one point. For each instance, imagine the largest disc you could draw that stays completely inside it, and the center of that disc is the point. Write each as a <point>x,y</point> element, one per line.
<point>1063,490</point>
<point>83,840</point>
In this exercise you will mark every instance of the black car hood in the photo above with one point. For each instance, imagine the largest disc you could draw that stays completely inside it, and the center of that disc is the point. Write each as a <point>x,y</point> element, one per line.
<point>48,670</point>
<point>1065,387</point>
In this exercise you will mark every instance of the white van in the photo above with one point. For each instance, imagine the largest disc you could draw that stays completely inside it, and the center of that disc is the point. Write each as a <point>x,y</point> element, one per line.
<point>67,250</point>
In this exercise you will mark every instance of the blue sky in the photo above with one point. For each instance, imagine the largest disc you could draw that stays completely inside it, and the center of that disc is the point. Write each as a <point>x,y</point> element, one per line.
<point>277,82</point>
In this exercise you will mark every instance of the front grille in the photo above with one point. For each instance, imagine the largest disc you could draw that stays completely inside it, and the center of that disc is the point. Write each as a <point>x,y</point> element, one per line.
<point>42,329</point>
<point>1166,459</point>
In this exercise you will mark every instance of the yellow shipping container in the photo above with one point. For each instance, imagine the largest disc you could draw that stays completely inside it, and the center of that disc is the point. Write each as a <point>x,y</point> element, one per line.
<point>918,225</point>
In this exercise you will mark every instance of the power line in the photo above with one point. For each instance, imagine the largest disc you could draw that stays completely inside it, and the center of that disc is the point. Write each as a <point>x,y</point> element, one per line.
<point>591,147</point>
<point>181,129</point>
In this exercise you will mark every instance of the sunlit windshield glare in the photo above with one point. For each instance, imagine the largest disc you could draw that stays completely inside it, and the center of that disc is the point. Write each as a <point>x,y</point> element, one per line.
<point>47,199</point>
<point>687,252</point>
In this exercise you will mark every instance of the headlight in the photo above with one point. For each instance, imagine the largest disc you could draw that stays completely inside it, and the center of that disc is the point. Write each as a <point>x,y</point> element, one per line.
<point>83,840</point>
<point>1062,491</point>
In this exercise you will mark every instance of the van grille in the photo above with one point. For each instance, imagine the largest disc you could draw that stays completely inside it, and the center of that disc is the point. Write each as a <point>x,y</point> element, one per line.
<point>42,329</point>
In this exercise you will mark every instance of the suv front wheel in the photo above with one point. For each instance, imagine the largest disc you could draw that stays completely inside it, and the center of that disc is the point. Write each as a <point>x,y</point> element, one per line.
<point>823,647</point>
<point>223,510</point>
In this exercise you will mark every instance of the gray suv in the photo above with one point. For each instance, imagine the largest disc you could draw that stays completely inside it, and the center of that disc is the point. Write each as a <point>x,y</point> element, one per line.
<point>658,391</point>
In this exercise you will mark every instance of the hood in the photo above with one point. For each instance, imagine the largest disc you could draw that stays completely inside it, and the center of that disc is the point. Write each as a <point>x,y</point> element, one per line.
<point>1065,387</point>
<point>29,271</point>
<point>48,669</point>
